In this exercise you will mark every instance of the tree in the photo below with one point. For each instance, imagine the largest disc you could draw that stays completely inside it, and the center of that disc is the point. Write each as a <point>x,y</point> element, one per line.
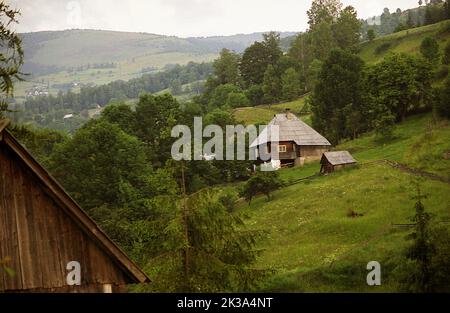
<point>206,249</point>
<point>435,13</point>
<point>176,88</point>
<point>102,165</point>
<point>155,118</point>
<point>347,29</point>
<point>272,42</point>
<point>11,54</point>
<point>271,85</point>
<point>291,85</point>
<point>237,100</point>
<point>255,94</point>
<point>301,51</point>
<point>446,55</point>
<point>226,68</point>
<point>263,182</point>
<point>371,35</point>
<point>443,105</point>
<point>40,142</point>
<point>122,115</point>
<point>254,64</point>
<point>323,40</point>
<point>389,22</point>
<point>410,22</point>
<point>258,57</point>
<point>430,50</point>
<point>323,11</point>
<point>401,83</point>
<point>220,95</point>
<point>340,84</point>
<point>422,250</point>
<point>383,121</point>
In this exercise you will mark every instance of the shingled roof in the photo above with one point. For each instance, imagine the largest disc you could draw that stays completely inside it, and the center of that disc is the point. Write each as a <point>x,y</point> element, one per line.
<point>291,128</point>
<point>339,157</point>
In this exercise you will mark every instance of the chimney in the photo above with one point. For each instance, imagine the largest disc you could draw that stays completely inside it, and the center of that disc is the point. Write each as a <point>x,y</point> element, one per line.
<point>288,114</point>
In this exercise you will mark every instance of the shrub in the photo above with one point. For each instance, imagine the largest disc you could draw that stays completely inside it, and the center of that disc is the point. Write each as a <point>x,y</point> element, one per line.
<point>262,182</point>
<point>228,198</point>
<point>441,73</point>
<point>383,48</point>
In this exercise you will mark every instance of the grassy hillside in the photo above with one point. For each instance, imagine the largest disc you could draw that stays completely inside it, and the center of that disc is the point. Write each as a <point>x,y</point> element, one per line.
<point>407,41</point>
<point>314,246</point>
<point>264,113</point>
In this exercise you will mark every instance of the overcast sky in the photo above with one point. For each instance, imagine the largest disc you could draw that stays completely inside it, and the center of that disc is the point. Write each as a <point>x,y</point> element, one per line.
<point>182,18</point>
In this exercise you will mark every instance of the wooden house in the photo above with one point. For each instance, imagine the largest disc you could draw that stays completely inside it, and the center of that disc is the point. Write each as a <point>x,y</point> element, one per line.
<point>298,143</point>
<point>51,243</point>
<point>332,161</point>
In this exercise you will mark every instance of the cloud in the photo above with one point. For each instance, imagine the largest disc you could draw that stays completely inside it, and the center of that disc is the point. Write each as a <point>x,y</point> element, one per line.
<point>180,17</point>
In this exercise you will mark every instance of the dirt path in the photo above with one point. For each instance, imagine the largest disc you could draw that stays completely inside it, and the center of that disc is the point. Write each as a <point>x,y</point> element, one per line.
<point>412,171</point>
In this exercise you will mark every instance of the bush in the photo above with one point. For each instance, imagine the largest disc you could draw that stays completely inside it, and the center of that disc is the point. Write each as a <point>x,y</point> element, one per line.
<point>441,73</point>
<point>442,106</point>
<point>237,100</point>
<point>353,214</point>
<point>446,55</point>
<point>383,48</point>
<point>264,183</point>
<point>228,198</point>
<point>430,50</point>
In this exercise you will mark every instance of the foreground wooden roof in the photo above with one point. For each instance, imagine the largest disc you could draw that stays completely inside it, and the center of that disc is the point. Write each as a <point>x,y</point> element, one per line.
<point>53,189</point>
<point>291,128</point>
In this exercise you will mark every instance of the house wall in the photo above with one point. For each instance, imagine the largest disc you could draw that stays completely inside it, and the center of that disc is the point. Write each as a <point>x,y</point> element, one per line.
<point>312,153</point>
<point>329,168</point>
<point>41,239</point>
<point>291,150</point>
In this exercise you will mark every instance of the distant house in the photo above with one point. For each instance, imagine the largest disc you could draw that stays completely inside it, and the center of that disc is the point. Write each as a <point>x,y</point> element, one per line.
<point>332,161</point>
<point>68,116</point>
<point>298,142</point>
<point>49,242</point>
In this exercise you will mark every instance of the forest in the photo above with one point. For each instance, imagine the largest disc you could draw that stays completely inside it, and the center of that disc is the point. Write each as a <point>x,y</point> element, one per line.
<point>180,220</point>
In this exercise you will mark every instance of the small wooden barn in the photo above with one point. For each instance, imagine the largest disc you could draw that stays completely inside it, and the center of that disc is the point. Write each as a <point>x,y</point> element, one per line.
<point>47,238</point>
<point>298,142</point>
<point>332,161</point>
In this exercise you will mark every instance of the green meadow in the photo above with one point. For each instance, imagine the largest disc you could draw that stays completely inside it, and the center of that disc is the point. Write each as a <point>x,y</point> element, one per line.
<point>312,243</point>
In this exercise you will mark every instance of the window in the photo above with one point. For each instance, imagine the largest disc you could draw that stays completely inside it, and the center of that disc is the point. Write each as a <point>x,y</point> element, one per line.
<point>282,149</point>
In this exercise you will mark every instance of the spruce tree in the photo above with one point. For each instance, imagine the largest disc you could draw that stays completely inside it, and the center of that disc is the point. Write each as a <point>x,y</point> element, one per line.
<point>206,248</point>
<point>422,250</point>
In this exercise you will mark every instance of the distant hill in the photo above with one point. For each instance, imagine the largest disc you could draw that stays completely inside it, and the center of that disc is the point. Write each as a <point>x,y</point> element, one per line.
<point>74,48</point>
<point>95,57</point>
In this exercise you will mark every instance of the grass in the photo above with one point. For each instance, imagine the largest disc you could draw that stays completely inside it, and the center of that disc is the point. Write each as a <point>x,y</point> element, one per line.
<point>419,142</point>
<point>407,41</point>
<point>263,114</point>
<point>314,246</point>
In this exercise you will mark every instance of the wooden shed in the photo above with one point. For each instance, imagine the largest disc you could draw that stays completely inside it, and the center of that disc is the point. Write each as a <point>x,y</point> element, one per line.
<point>47,238</point>
<point>332,161</point>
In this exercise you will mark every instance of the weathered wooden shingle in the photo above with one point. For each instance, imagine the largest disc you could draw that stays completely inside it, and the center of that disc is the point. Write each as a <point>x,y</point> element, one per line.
<point>291,128</point>
<point>339,158</point>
